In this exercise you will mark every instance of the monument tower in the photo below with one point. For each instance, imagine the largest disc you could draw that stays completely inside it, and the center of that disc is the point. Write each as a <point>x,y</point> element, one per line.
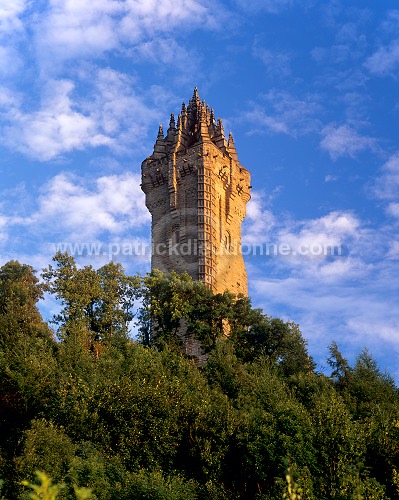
<point>196,191</point>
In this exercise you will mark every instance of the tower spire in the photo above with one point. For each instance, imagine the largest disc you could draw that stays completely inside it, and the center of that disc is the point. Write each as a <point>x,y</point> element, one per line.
<point>159,146</point>
<point>231,147</point>
<point>204,132</point>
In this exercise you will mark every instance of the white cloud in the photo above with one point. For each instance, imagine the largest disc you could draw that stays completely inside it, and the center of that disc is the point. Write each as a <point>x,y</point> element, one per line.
<point>387,185</point>
<point>258,222</point>
<point>115,118</point>
<point>344,140</point>
<point>56,128</point>
<point>93,219</point>
<point>331,297</point>
<point>8,99</point>
<point>329,230</point>
<point>81,208</point>
<point>393,251</point>
<point>271,6</point>
<point>76,29</point>
<point>159,16</point>
<point>10,11</point>
<point>284,113</point>
<point>10,61</point>
<point>322,247</point>
<point>166,51</point>
<point>393,209</point>
<point>346,306</point>
<point>331,178</point>
<point>385,61</point>
<point>3,229</point>
<point>276,62</point>
<point>329,248</point>
<point>79,29</point>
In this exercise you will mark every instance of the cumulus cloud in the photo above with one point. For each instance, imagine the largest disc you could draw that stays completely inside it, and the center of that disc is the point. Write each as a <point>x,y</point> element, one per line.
<point>393,209</point>
<point>334,297</point>
<point>10,62</point>
<point>385,61</point>
<point>276,62</point>
<point>91,107</point>
<point>258,222</point>
<point>324,247</point>
<point>329,230</point>
<point>331,178</point>
<point>10,12</point>
<point>329,247</point>
<point>280,112</point>
<point>114,118</point>
<point>387,185</point>
<point>56,128</point>
<point>344,140</point>
<point>393,251</point>
<point>81,208</point>
<point>81,29</point>
<point>166,51</point>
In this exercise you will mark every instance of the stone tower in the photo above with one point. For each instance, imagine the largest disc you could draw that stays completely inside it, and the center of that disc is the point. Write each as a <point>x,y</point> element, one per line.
<point>196,191</point>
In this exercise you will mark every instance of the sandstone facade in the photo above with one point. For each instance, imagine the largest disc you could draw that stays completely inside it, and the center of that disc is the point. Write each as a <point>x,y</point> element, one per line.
<point>196,191</point>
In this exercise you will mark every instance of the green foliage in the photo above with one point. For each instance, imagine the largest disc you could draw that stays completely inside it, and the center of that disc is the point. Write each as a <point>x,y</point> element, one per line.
<point>145,485</point>
<point>97,305</point>
<point>109,418</point>
<point>46,447</point>
<point>45,490</point>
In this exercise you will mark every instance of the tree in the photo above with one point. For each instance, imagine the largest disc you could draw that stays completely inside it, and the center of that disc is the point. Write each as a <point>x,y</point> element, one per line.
<point>20,318</point>
<point>97,306</point>
<point>257,335</point>
<point>26,350</point>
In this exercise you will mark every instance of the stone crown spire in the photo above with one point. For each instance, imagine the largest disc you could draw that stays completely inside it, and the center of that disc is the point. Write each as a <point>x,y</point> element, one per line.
<point>195,123</point>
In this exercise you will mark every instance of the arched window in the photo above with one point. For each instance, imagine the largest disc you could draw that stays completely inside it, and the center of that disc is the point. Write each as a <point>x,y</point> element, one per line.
<point>176,234</point>
<point>227,241</point>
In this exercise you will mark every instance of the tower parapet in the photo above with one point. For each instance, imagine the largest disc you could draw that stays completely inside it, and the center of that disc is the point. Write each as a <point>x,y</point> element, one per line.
<point>196,191</point>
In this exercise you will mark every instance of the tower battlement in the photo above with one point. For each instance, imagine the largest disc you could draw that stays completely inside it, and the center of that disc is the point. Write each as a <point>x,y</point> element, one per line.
<point>196,191</point>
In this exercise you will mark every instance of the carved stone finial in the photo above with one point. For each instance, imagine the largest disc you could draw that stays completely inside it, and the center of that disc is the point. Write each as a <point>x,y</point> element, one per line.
<point>172,123</point>
<point>203,123</point>
<point>231,147</point>
<point>159,146</point>
<point>212,116</point>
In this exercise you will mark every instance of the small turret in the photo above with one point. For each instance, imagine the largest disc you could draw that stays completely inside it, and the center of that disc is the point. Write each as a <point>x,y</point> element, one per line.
<point>231,147</point>
<point>160,145</point>
<point>171,134</point>
<point>219,139</point>
<point>203,129</point>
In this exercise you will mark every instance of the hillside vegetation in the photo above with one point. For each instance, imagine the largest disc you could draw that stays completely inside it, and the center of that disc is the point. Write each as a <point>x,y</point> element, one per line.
<point>136,419</point>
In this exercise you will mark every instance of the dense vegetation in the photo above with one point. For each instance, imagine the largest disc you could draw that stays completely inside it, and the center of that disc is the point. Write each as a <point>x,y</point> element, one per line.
<point>128,419</point>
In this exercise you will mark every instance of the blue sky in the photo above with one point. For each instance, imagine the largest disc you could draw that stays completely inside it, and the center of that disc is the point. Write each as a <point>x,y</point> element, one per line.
<point>309,89</point>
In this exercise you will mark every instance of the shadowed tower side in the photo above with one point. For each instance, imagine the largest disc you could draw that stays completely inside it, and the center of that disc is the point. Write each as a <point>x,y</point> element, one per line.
<point>196,191</point>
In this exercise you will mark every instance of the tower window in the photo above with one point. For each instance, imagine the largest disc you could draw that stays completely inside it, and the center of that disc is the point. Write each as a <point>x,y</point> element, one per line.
<point>227,241</point>
<point>176,234</point>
